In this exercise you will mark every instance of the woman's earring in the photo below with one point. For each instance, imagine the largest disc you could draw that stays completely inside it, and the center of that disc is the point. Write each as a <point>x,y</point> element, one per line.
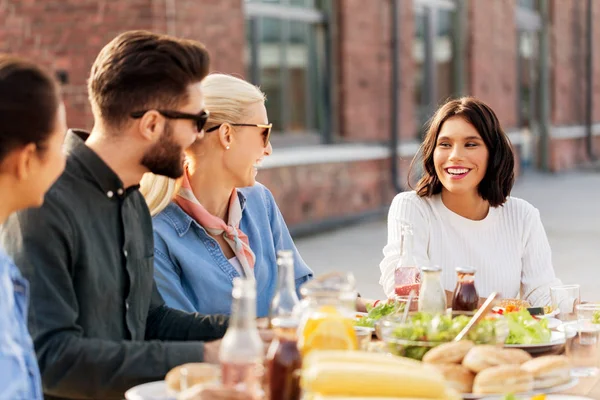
<point>227,148</point>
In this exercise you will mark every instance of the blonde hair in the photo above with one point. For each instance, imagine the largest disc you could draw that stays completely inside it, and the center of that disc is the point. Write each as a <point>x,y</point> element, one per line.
<point>227,98</point>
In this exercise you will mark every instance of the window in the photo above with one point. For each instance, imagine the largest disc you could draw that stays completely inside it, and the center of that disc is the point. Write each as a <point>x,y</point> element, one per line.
<point>529,24</point>
<point>437,64</point>
<point>286,57</point>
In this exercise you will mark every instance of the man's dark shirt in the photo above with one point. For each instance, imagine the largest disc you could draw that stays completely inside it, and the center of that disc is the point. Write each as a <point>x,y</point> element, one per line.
<point>98,323</point>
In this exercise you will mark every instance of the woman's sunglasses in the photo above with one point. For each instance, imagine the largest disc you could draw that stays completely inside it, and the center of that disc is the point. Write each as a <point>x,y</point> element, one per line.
<point>266,130</point>
<point>199,118</point>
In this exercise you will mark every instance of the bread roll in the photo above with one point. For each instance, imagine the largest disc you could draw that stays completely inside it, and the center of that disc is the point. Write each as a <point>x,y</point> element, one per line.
<point>448,353</point>
<point>503,379</point>
<point>458,377</point>
<point>548,371</point>
<point>197,373</point>
<point>482,357</point>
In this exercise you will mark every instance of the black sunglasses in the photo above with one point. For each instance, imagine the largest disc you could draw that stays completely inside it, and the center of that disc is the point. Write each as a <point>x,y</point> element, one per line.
<point>200,118</point>
<point>266,130</point>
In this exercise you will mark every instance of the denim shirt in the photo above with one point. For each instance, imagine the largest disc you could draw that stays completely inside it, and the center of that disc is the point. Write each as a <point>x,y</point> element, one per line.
<point>193,274</point>
<point>19,372</point>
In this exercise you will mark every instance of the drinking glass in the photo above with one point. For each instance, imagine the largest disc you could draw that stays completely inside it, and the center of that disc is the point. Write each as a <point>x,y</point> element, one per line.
<point>564,299</point>
<point>583,345</point>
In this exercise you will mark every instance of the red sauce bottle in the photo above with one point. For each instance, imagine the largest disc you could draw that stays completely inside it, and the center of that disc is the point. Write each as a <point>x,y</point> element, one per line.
<point>465,296</point>
<point>284,361</point>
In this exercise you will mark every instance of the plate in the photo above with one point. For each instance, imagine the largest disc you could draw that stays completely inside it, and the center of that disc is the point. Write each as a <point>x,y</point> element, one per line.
<point>150,391</point>
<point>562,326</point>
<point>553,323</point>
<point>557,339</point>
<point>559,388</point>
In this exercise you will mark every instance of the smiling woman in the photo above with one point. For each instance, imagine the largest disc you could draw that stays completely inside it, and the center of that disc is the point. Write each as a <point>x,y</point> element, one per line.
<point>462,214</point>
<point>217,222</point>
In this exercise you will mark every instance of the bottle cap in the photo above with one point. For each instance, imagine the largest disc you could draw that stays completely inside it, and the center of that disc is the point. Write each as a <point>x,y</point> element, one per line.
<point>466,270</point>
<point>431,268</point>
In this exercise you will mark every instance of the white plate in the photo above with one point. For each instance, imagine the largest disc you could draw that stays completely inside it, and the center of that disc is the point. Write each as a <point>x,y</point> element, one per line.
<point>556,339</point>
<point>150,391</point>
<point>562,326</point>
<point>553,323</point>
<point>572,383</point>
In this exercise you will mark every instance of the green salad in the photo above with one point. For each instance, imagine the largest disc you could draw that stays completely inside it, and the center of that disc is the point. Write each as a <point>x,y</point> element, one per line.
<point>374,314</point>
<point>524,329</point>
<point>596,317</point>
<point>437,329</point>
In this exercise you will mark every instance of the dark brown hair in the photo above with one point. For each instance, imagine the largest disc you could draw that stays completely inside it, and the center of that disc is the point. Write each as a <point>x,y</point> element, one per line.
<point>139,70</point>
<point>499,177</point>
<point>29,101</point>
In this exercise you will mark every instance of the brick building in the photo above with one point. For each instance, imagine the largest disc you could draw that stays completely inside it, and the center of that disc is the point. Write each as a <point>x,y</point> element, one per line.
<point>327,68</point>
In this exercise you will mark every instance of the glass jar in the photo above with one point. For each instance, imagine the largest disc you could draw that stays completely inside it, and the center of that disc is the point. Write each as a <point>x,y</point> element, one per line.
<point>407,275</point>
<point>465,297</point>
<point>432,298</point>
<point>329,308</point>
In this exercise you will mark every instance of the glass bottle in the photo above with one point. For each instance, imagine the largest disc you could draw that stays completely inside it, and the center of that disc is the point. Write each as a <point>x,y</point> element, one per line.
<point>407,275</point>
<point>465,297</point>
<point>242,349</point>
<point>432,298</point>
<point>285,298</point>
<point>328,311</point>
<point>284,360</point>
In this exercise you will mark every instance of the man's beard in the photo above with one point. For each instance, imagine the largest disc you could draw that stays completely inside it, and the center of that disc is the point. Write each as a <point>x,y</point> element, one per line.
<point>165,157</point>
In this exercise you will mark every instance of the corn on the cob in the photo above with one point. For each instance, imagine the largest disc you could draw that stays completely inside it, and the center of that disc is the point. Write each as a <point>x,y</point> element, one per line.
<point>372,379</point>
<point>359,357</point>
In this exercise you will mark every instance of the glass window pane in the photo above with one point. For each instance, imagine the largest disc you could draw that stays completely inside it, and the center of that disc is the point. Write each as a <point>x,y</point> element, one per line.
<point>297,62</point>
<point>529,4</point>
<point>270,69</point>
<point>302,3</point>
<point>528,77</point>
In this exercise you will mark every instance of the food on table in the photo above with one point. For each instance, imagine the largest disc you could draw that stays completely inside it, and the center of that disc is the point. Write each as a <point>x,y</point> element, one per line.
<point>514,303</point>
<point>513,397</point>
<point>458,377</point>
<point>480,358</point>
<point>370,374</point>
<point>357,357</point>
<point>548,371</point>
<point>327,329</point>
<point>524,329</point>
<point>502,379</point>
<point>596,317</point>
<point>381,310</point>
<point>424,331</point>
<point>451,352</point>
<point>197,373</point>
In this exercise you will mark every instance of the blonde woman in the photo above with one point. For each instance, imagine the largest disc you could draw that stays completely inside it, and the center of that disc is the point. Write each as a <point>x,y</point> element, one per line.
<point>217,222</point>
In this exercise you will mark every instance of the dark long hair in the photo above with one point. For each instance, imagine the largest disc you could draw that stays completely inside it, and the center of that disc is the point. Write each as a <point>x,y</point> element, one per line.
<point>499,178</point>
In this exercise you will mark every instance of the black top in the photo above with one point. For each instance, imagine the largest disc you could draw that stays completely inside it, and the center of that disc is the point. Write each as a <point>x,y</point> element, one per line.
<point>97,320</point>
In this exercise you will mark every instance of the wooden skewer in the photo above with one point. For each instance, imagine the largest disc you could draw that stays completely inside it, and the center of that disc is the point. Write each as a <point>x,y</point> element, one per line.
<point>485,308</point>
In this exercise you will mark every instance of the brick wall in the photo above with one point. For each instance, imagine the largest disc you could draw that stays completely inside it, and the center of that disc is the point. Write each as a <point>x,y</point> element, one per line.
<point>492,62</point>
<point>67,35</point>
<point>364,64</point>
<point>568,78</point>
<point>310,193</point>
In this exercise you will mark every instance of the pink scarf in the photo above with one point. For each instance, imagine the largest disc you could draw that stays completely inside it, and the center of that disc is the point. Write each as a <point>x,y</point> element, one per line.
<point>231,232</point>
